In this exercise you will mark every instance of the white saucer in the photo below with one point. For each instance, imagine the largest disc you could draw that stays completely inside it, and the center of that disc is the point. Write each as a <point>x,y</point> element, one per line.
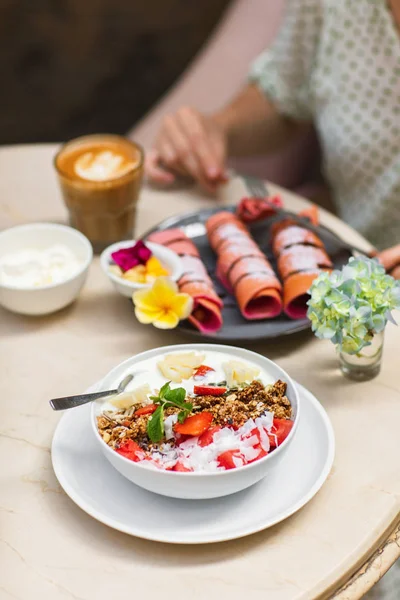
<point>96,487</point>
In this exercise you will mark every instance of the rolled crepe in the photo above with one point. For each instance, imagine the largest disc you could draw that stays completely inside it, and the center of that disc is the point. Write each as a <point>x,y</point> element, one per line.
<point>390,259</point>
<point>301,257</point>
<point>243,268</point>
<point>195,281</point>
<point>291,236</point>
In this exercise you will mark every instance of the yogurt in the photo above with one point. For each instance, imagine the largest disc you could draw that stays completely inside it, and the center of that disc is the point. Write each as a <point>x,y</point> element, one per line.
<point>148,372</point>
<point>31,267</point>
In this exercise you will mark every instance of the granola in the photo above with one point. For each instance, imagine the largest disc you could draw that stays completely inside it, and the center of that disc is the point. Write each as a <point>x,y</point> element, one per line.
<point>222,416</point>
<point>233,408</point>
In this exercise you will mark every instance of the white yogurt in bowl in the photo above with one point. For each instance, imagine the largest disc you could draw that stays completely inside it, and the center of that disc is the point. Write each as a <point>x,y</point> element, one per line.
<point>43,267</point>
<point>33,267</point>
<point>230,454</point>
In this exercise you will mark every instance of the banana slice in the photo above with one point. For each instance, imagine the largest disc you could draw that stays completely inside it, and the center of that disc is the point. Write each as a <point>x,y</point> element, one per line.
<point>177,367</point>
<point>128,399</point>
<point>238,372</point>
<point>115,270</point>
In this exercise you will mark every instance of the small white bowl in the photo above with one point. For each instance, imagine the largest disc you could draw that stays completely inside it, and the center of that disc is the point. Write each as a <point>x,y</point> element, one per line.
<point>166,256</point>
<point>50,297</point>
<point>198,485</point>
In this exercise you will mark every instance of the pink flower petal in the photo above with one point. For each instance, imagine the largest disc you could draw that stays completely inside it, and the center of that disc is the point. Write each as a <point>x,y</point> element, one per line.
<point>127,258</point>
<point>143,252</point>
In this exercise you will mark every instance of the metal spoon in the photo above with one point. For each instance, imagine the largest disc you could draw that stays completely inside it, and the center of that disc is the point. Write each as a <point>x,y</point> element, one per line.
<point>73,401</point>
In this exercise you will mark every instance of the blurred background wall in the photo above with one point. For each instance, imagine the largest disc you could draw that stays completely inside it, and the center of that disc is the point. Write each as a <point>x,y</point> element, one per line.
<point>70,67</point>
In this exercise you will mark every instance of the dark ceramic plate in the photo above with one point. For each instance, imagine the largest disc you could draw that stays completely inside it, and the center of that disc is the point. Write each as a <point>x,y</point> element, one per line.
<point>236,328</point>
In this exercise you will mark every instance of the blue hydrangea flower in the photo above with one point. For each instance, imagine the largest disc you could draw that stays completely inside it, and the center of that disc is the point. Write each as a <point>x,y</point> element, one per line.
<point>350,306</point>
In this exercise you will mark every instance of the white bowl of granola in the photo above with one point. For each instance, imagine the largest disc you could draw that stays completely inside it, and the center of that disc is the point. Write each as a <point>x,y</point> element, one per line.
<point>214,420</point>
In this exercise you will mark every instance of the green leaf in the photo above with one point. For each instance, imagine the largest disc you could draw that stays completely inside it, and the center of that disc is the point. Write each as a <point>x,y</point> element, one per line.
<point>155,425</point>
<point>182,416</point>
<point>155,398</point>
<point>176,396</point>
<point>187,406</point>
<point>165,390</point>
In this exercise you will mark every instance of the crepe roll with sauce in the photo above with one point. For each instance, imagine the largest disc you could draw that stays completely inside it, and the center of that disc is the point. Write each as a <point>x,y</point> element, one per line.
<point>195,281</point>
<point>300,256</point>
<point>243,268</point>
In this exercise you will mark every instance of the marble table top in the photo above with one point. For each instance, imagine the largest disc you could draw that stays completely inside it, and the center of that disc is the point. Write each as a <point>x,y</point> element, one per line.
<point>338,545</point>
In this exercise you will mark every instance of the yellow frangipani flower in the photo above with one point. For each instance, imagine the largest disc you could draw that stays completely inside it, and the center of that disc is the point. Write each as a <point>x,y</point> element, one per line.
<point>162,304</point>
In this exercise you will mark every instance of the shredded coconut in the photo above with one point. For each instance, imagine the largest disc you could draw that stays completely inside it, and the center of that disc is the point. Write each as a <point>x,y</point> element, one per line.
<point>204,458</point>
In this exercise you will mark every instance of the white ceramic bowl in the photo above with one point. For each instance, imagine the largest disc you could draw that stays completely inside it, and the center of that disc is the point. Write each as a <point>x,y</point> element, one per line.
<point>51,297</point>
<point>126,288</point>
<point>198,485</point>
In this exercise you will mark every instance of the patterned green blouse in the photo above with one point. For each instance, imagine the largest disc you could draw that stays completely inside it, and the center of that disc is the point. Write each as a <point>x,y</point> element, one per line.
<point>337,63</point>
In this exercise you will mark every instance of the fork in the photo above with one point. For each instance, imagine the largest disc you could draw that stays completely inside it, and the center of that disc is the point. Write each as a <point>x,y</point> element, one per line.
<point>73,401</point>
<point>255,186</point>
<point>258,189</point>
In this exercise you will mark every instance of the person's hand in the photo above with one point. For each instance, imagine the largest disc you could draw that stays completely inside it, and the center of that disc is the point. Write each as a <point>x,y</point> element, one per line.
<point>390,259</point>
<point>190,144</point>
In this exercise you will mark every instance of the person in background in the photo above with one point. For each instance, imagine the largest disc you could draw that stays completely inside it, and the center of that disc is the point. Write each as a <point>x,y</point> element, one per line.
<point>335,63</point>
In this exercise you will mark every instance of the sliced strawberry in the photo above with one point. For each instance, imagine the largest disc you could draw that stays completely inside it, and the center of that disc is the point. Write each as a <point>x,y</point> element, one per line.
<point>279,431</point>
<point>179,439</point>
<point>131,450</point>
<point>261,454</point>
<point>180,467</point>
<point>194,425</point>
<point>207,437</point>
<point>276,201</point>
<point>255,432</point>
<point>273,440</point>
<point>253,209</point>
<point>257,446</point>
<point>209,390</point>
<point>202,370</point>
<point>145,410</point>
<point>226,459</point>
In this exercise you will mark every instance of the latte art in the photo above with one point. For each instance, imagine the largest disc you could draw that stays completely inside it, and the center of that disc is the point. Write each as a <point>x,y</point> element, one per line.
<point>100,177</point>
<point>102,166</point>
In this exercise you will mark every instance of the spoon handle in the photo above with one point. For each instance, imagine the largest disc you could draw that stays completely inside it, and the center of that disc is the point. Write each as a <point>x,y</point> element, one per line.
<point>72,401</point>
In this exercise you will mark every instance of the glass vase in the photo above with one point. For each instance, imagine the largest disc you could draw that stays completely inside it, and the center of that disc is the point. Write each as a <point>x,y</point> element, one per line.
<point>366,364</point>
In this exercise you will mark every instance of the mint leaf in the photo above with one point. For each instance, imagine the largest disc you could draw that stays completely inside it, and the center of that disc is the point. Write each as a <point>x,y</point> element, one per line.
<point>167,398</point>
<point>182,416</point>
<point>165,390</point>
<point>177,396</point>
<point>155,425</point>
